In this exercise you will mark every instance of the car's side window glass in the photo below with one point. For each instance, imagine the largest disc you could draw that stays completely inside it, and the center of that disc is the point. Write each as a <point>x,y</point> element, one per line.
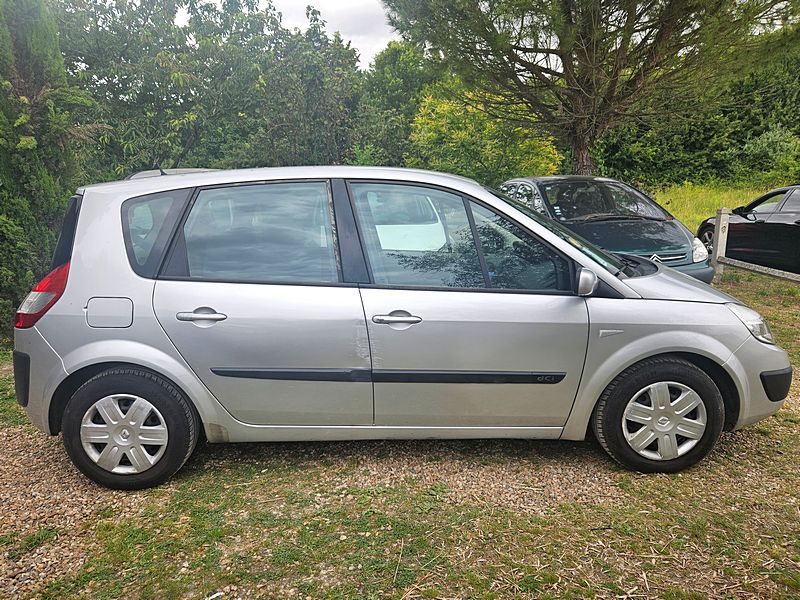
<point>147,223</point>
<point>792,204</point>
<point>275,232</point>
<point>769,204</point>
<point>515,259</point>
<point>509,189</point>
<point>531,198</point>
<point>416,236</point>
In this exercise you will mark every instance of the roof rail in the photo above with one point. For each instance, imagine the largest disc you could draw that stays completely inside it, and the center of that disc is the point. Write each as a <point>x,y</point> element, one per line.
<point>160,172</point>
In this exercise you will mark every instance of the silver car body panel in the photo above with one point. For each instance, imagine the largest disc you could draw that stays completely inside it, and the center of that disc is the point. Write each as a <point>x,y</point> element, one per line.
<point>474,332</point>
<point>611,333</point>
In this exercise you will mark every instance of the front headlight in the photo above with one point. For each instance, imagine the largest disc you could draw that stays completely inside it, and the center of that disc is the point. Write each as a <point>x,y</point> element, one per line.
<point>754,322</point>
<point>699,252</point>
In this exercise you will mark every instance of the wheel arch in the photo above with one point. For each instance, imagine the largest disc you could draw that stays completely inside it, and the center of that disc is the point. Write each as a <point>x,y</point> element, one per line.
<point>731,396</point>
<point>75,380</point>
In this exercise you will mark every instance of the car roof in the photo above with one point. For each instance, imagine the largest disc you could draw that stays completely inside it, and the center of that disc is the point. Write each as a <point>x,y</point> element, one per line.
<point>147,185</point>
<point>559,178</point>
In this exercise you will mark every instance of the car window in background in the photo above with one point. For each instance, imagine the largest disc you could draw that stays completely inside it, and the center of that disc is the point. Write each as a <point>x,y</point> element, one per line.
<point>585,200</point>
<point>509,189</point>
<point>515,259</point>
<point>792,203</point>
<point>597,254</point>
<point>417,236</point>
<point>530,197</point>
<point>766,205</point>
<point>275,232</point>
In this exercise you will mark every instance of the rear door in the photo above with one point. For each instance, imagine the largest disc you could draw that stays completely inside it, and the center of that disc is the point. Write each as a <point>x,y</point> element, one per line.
<point>467,334</point>
<point>252,296</point>
<point>749,239</point>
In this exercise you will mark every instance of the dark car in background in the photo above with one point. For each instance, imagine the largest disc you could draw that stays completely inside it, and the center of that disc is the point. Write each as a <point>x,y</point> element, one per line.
<point>765,232</point>
<point>615,216</point>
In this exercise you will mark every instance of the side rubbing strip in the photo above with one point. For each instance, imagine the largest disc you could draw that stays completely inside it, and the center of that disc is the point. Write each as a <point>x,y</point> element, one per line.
<point>401,376</point>
<point>392,376</point>
<point>296,374</point>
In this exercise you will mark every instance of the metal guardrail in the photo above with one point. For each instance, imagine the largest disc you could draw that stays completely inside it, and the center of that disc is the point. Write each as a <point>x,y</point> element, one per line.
<point>719,247</point>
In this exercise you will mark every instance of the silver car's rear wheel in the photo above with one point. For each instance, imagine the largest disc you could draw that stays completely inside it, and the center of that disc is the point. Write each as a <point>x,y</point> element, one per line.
<point>129,428</point>
<point>124,434</point>
<point>664,420</point>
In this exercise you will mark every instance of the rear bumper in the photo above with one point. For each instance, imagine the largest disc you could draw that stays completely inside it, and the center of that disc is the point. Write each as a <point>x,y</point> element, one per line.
<point>702,271</point>
<point>22,377</point>
<point>43,372</point>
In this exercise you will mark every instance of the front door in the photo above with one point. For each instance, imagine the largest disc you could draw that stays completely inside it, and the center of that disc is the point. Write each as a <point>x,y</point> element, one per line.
<point>251,297</point>
<point>783,229</point>
<point>466,334</point>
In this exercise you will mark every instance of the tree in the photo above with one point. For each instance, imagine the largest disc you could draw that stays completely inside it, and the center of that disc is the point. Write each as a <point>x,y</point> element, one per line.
<point>391,93</point>
<point>452,132</point>
<point>37,163</point>
<point>581,67</point>
<point>231,87</point>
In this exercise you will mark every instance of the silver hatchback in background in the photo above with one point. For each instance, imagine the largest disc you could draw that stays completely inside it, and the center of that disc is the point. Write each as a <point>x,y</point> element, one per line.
<point>333,303</point>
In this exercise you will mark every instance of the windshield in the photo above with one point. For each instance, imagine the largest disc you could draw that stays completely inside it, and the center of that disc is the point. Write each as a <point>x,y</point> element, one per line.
<point>608,261</point>
<point>589,200</point>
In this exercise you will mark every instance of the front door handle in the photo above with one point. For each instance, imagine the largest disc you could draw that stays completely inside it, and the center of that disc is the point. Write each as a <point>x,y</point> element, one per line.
<point>396,319</point>
<point>201,314</point>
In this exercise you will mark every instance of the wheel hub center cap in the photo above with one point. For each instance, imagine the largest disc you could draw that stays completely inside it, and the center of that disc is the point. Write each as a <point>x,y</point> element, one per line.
<point>663,423</point>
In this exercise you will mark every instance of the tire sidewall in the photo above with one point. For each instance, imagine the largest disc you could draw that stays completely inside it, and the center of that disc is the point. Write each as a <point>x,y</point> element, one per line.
<point>626,386</point>
<point>179,443</point>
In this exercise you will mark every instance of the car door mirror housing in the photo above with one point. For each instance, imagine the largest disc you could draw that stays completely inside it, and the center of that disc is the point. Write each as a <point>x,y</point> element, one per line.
<point>739,210</point>
<point>587,282</point>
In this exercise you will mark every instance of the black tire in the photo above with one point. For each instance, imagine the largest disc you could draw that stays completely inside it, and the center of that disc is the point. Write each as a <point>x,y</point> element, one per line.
<point>178,414</point>
<point>607,420</point>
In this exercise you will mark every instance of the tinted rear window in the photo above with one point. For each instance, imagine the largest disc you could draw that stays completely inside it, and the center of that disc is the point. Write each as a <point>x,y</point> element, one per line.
<point>147,222</point>
<point>258,233</point>
<point>66,238</point>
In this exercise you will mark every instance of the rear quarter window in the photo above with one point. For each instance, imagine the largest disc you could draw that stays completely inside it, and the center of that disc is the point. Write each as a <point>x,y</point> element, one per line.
<point>147,224</point>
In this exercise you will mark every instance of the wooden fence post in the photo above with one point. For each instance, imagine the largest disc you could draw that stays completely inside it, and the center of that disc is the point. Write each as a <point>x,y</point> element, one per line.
<point>720,240</point>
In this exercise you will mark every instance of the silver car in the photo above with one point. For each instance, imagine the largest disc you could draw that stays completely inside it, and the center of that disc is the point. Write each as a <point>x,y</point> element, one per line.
<point>341,303</point>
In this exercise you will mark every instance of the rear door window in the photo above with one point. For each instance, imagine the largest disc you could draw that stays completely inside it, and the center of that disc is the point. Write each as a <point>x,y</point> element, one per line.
<point>260,233</point>
<point>147,223</point>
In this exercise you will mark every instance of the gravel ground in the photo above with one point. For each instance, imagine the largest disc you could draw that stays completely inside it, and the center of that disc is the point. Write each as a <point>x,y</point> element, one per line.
<point>42,491</point>
<point>43,494</point>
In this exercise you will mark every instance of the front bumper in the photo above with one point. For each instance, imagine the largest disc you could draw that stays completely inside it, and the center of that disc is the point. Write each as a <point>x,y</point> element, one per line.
<point>701,270</point>
<point>777,383</point>
<point>759,398</point>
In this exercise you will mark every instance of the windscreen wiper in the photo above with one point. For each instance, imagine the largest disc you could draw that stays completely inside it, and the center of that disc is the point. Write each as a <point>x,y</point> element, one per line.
<point>597,217</point>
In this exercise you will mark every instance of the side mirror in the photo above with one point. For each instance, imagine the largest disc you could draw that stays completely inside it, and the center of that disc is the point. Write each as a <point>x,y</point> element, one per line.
<point>739,210</point>
<point>587,282</point>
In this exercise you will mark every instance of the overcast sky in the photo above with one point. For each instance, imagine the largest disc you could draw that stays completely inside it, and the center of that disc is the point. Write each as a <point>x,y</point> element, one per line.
<point>362,22</point>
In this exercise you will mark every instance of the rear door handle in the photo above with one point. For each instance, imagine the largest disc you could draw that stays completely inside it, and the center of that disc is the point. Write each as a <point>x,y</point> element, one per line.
<point>201,314</point>
<point>396,319</point>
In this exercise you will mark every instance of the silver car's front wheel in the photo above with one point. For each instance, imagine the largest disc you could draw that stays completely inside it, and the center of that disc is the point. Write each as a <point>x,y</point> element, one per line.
<point>124,434</point>
<point>661,414</point>
<point>664,420</point>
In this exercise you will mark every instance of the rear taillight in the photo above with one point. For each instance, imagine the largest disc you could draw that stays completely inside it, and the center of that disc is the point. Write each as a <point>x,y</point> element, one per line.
<point>42,297</point>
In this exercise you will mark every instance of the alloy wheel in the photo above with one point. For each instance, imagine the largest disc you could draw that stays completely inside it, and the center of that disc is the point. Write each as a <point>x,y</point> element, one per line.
<point>707,237</point>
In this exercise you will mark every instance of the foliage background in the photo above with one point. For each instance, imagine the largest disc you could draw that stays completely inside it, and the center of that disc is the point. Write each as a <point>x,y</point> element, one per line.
<point>94,90</point>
